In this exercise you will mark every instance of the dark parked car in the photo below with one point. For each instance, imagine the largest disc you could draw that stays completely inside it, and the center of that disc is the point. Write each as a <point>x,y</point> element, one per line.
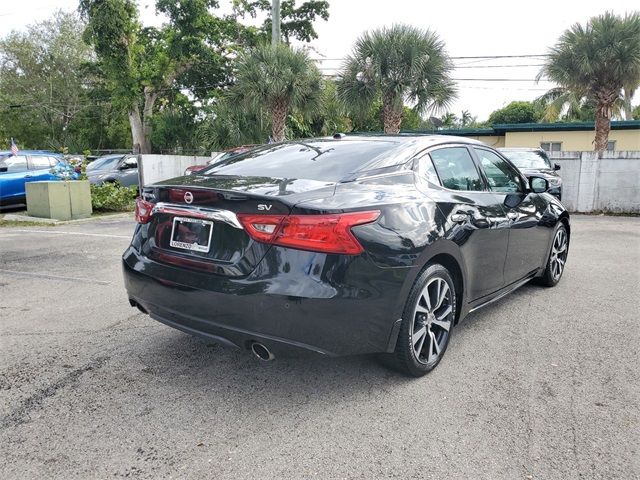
<point>342,246</point>
<point>536,162</point>
<point>122,169</point>
<point>27,166</point>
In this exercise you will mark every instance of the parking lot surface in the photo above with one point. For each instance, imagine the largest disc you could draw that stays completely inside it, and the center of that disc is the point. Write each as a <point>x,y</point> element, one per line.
<point>543,384</point>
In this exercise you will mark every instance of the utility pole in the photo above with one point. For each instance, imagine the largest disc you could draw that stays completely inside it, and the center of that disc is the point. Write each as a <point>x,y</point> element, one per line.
<point>275,22</point>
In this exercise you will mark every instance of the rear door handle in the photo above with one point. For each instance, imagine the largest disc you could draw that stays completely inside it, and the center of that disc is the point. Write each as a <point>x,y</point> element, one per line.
<point>512,215</point>
<point>459,217</point>
<point>28,176</point>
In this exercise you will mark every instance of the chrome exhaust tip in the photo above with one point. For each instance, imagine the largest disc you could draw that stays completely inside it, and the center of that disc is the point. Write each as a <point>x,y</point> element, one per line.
<point>262,352</point>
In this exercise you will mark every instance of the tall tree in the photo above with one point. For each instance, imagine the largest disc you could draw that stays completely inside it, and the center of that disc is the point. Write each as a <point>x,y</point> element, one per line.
<point>397,64</point>
<point>279,79</point>
<point>597,61</point>
<point>140,64</point>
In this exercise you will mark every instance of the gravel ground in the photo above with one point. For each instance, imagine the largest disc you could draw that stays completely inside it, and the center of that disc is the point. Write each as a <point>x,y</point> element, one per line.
<point>543,384</point>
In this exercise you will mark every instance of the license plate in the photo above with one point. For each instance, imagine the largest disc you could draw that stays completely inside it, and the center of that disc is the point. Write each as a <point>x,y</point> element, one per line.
<point>191,234</point>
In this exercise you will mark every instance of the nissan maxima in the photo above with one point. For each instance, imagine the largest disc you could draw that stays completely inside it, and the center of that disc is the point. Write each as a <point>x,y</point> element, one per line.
<point>343,245</point>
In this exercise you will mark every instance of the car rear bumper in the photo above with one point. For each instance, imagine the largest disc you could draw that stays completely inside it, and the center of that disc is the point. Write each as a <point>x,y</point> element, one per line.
<point>293,301</point>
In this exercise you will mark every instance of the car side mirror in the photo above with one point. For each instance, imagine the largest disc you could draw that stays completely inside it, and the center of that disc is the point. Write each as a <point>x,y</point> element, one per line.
<point>127,166</point>
<point>556,167</point>
<point>538,184</point>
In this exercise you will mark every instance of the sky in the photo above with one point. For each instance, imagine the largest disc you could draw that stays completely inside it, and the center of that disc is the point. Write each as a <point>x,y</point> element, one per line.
<point>468,28</point>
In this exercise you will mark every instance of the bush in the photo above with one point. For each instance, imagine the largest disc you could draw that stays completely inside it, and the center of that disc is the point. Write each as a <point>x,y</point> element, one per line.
<point>111,197</point>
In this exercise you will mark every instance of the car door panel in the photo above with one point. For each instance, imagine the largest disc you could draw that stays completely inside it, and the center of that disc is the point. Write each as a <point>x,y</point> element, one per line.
<point>524,209</point>
<point>476,222</point>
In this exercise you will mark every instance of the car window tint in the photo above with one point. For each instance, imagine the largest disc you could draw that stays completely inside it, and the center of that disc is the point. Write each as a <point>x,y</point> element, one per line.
<point>426,170</point>
<point>14,163</point>
<point>312,159</point>
<point>500,175</point>
<point>40,163</point>
<point>456,169</point>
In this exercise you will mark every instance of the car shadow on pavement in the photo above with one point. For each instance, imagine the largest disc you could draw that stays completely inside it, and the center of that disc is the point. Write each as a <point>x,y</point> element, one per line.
<point>173,364</point>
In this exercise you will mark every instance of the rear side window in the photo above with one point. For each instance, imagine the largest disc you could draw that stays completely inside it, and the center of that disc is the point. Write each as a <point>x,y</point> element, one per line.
<point>40,163</point>
<point>456,169</point>
<point>314,160</point>
<point>16,163</point>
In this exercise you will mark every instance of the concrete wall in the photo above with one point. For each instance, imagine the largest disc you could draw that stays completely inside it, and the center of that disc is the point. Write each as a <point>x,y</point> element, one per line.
<point>156,168</point>
<point>581,140</point>
<point>608,183</point>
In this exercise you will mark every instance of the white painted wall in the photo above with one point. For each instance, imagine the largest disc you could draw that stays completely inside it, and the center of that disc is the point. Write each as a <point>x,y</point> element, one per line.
<point>156,168</point>
<point>592,183</point>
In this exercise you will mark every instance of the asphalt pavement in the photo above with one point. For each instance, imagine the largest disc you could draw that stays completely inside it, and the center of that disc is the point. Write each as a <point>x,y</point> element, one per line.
<point>542,384</point>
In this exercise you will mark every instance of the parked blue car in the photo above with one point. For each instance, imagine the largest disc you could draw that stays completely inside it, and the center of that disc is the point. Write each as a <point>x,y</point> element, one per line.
<point>27,166</point>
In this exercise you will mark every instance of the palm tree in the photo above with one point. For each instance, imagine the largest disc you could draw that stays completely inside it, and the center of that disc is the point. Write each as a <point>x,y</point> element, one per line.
<point>466,118</point>
<point>279,79</point>
<point>597,62</point>
<point>397,64</point>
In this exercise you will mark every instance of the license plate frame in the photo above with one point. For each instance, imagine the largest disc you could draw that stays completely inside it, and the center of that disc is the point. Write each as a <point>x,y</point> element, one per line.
<point>194,246</point>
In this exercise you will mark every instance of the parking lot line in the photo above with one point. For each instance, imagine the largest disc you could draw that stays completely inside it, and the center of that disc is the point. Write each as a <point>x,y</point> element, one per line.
<point>73,233</point>
<point>55,277</point>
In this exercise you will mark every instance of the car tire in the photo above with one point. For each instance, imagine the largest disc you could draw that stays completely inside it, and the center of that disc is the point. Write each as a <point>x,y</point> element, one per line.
<point>557,257</point>
<point>427,323</point>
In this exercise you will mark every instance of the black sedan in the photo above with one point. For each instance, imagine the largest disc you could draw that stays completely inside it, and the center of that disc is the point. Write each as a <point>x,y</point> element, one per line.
<point>346,245</point>
<point>536,162</point>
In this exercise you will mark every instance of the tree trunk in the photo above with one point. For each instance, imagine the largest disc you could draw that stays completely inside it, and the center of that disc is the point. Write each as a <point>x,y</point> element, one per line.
<point>603,126</point>
<point>137,133</point>
<point>391,116</point>
<point>141,126</point>
<point>278,120</point>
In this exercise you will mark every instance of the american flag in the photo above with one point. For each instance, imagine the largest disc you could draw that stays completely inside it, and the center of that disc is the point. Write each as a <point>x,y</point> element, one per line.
<point>14,148</point>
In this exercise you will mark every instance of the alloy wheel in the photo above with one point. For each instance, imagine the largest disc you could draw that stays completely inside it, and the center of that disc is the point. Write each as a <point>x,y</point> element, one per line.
<point>432,319</point>
<point>558,254</point>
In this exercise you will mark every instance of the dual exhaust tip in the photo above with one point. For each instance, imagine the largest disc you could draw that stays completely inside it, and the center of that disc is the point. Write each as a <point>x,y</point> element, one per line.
<point>262,352</point>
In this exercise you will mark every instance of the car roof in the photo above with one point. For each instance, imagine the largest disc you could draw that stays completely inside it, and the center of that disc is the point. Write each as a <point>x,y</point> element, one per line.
<point>425,139</point>
<point>520,149</point>
<point>31,152</point>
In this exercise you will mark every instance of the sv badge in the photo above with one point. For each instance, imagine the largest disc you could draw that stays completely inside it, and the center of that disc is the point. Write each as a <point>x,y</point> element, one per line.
<point>262,206</point>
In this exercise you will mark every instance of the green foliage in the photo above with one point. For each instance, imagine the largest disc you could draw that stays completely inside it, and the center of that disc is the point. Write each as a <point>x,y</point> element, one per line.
<point>279,79</point>
<point>295,23</point>
<point>111,197</point>
<point>397,65</point>
<point>636,112</point>
<point>231,125</point>
<point>515,112</point>
<point>48,93</point>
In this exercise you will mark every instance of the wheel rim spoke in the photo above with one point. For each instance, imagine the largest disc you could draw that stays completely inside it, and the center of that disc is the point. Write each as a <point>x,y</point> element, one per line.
<point>445,313</point>
<point>421,309</point>
<point>441,324</point>
<point>417,336</point>
<point>427,300</point>
<point>443,290</point>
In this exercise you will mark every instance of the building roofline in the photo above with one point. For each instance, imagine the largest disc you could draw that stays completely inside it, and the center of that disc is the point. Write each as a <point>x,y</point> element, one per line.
<point>502,128</point>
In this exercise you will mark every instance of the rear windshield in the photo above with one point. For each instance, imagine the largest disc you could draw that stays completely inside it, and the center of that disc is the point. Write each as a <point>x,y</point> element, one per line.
<point>324,160</point>
<point>528,159</point>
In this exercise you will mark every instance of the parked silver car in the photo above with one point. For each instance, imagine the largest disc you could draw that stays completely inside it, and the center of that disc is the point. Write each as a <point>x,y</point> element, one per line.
<point>122,169</point>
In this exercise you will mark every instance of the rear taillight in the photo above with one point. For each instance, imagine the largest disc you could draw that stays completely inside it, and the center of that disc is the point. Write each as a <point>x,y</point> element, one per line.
<point>318,233</point>
<point>144,210</point>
